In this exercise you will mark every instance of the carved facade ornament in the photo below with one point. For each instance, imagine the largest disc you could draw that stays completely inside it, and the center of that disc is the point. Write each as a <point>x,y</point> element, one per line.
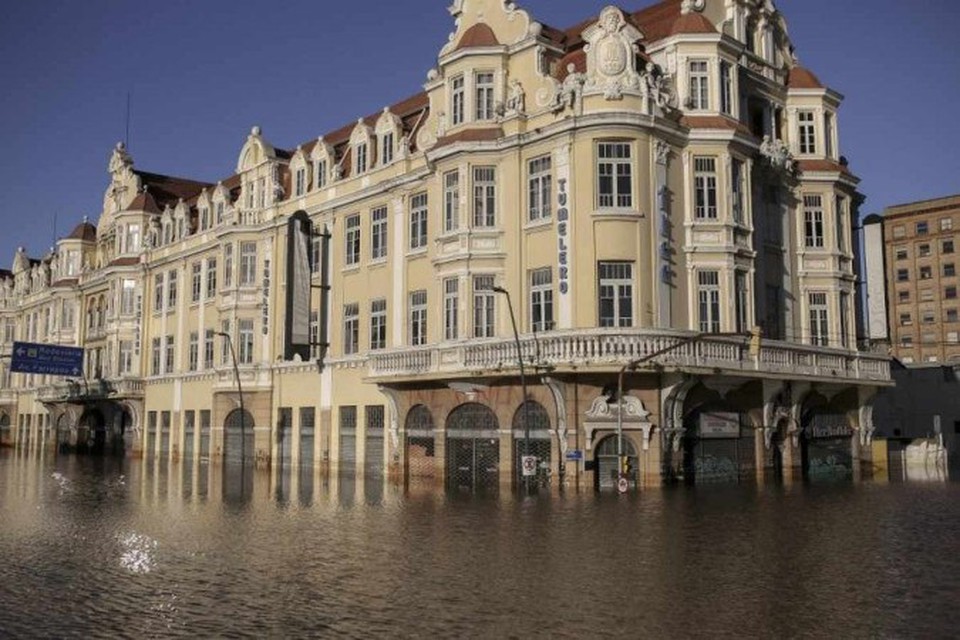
<point>777,154</point>
<point>612,56</point>
<point>603,415</point>
<point>516,99</point>
<point>662,150</point>
<point>120,160</point>
<point>689,6</point>
<point>511,24</point>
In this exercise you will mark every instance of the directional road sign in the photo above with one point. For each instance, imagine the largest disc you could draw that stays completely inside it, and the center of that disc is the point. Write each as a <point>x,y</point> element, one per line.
<point>48,359</point>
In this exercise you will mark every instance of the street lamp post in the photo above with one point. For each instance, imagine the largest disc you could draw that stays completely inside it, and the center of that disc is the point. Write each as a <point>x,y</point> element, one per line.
<point>236,375</point>
<point>523,380</point>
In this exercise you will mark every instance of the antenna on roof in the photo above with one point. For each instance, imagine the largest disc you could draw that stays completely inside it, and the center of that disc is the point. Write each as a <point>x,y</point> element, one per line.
<point>126,138</point>
<point>54,229</point>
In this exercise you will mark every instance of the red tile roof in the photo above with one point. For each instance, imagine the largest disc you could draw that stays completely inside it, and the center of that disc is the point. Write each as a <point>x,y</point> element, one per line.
<point>801,78</point>
<point>692,22</point>
<point>479,35</point>
<point>822,165</point>
<point>84,231</point>
<point>144,202</point>
<point>471,135</point>
<point>713,122</point>
<point>168,189</point>
<point>124,262</point>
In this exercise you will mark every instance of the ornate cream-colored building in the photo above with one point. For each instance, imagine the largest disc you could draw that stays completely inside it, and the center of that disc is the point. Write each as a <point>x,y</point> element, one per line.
<point>640,181</point>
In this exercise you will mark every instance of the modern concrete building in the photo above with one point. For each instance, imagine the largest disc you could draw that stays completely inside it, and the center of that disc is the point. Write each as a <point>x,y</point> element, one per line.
<point>645,187</point>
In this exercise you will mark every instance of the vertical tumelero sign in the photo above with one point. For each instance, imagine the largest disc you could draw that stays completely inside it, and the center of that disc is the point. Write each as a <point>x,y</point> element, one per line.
<point>297,333</point>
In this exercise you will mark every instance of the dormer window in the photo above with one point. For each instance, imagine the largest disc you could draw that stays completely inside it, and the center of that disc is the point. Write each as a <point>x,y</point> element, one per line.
<point>300,181</point>
<point>204,218</point>
<point>219,213</point>
<point>250,195</point>
<point>457,101</point>
<point>386,148</point>
<point>726,88</point>
<point>261,193</point>
<point>321,173</point>
<point>167,233</point>
<point>361,157</point>
<point>133,239</point>
<point>699,85</point>
<point>484,93</point>
<point>807,132</point>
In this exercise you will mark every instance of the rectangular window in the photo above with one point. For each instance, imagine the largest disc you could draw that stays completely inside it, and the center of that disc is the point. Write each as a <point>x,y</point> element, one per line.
<point>362,158</point>
<point>699,85</point>
<point>844,313</point>
<point>484,305</point>
<point>484,196</point>
<point>928,317</point>
<point>900,253</point>
<point>128,297</point>
<point>952,315</point>
<point>261,193</point>
<point>813,221</point>
<point>196,281</point>
<point>245,352</point>
<point>950,293</point>
<point>248,264</point>
<point>300,181</point>
<point>321,171</point>
<point>219,213</point>
<point>540,183</point>
<point>378,324</point>
<point>386,148</point>
<point>541,299</point>
<point>926,295</point>
<point>922,228</point>
<point>947,247</point>
<point>740,295</point>
<point>819,328</point>
<point>484,83</point>
<point>226,358</point>
<point>807,130</point>
<point>169,355</point>
<point>457,101</point>
<point>316,246</point>
<point>418,221</point>
<point>946,224</point>
<point>378,233</point>
<point>929,338</point>
<point>616,294</point>
<point>705,188</point>
<point>208,339</point>
<point>903,275</point>
<point>906,341</point>
<point>314,334</point>
<point>171,290</point>
<point>126,357</point>
<point>906,319</point>
<point>451,201</point>
<point>451,298</point>
<point>614,175</point>
<point>418,318</point>
<point>828,134</point>
<point>193,359</point>
<point>737,190</point>
<point>708,300</point>
<point>158,293</point>
<point>926,273</point>
<point>352,238</point>
<point>903,296</point>
<point>228,265</point>
<point>841,220</point>
<point>726,88</point>
<point>351,328</point>
<point>949,270</point>
<point>923,250</point>
<point>211,277</point>
<point>953,337</point>
<point>155,357</point>
<point>899,231</point>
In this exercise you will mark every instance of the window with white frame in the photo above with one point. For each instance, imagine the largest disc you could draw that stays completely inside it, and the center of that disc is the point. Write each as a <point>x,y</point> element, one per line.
<point>169,354</point>
<point>699,85</point>
<point>211,277</point>
<point>828,133</point>
<point>484,196</point>
<point>813,221</point>
<point>352,239</point>
<point>228,265</point>
<point>171,290</point>
<point>321,171</point>
<point>844,313</point>
<point>300,181</point>
<point>378,324</point>
<point>316,247</point>
<point>740,301</point>
<point>219,213</point>
<point>226,357</point>
<point>128,297</point>
<point>314,334</point>
<point>708,300</point>
<point>193,351</point>
<point>737,189</point>
<point>451,201</point>
<point>808,132</point>
<point>196,281</point>
<point>245,333</point>
<point>614,175</point>
<point>484,306</point>
<point>540,188</point>
<point>386,148</point>
<point>418,221</point>
<point>208,340</point>
<point>360,157</point>
<point>841,220</point>
<point>378,233</point>
<point>351,328</point>
<point>125,352</point>
<point>418,318</point>
<point>261,193</point>
<point>451,300</point>
<point>541,299</point>
<point>205,221</point>
<point>946,224</point>
<point>248,263</point>
<point>133,242</point>
<point>726,87</point>
<point>250,189</point>
<point>705,188</point>
<point>615,308</point>
<point>819,328</point>
<point>484,94</point>
<point>457,101</point>
<point>155,357</point>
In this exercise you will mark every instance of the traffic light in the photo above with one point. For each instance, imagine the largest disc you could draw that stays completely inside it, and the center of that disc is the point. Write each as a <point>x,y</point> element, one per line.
<point>756,335</point>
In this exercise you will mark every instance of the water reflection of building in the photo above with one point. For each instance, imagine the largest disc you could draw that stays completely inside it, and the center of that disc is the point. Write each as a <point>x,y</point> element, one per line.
<point>632,182</point>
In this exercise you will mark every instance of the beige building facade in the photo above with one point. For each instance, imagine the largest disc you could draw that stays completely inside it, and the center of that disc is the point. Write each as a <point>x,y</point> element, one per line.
<point>644,188</point>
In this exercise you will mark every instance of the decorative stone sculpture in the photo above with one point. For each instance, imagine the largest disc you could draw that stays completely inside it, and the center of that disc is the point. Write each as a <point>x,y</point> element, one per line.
<point>777,154</point>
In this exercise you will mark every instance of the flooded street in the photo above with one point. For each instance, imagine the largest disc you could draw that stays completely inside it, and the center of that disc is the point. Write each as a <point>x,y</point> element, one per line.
<point>120,548</point>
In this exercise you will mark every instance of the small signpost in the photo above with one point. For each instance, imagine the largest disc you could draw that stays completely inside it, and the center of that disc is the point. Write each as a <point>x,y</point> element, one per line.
<point>46,359</point>
<point>623,485</point>
<point>529,465</point>
<point>575,455</point>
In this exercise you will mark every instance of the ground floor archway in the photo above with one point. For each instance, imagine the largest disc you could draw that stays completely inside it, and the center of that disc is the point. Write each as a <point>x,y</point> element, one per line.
<point>607,455</point>
<point>473,448</point>
<point>420,444</point>
<point>238,440</point>
<point>532,418</point>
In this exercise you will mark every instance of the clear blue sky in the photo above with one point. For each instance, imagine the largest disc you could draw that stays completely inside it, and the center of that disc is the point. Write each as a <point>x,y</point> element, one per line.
<point>202,73</point>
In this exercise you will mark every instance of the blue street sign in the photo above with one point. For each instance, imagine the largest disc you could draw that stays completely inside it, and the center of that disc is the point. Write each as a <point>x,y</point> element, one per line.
<point>575,454</point>
<point>46,359</point>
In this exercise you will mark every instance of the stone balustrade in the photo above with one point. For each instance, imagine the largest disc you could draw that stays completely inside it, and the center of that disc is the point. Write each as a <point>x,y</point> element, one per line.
<point>608,348</point>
